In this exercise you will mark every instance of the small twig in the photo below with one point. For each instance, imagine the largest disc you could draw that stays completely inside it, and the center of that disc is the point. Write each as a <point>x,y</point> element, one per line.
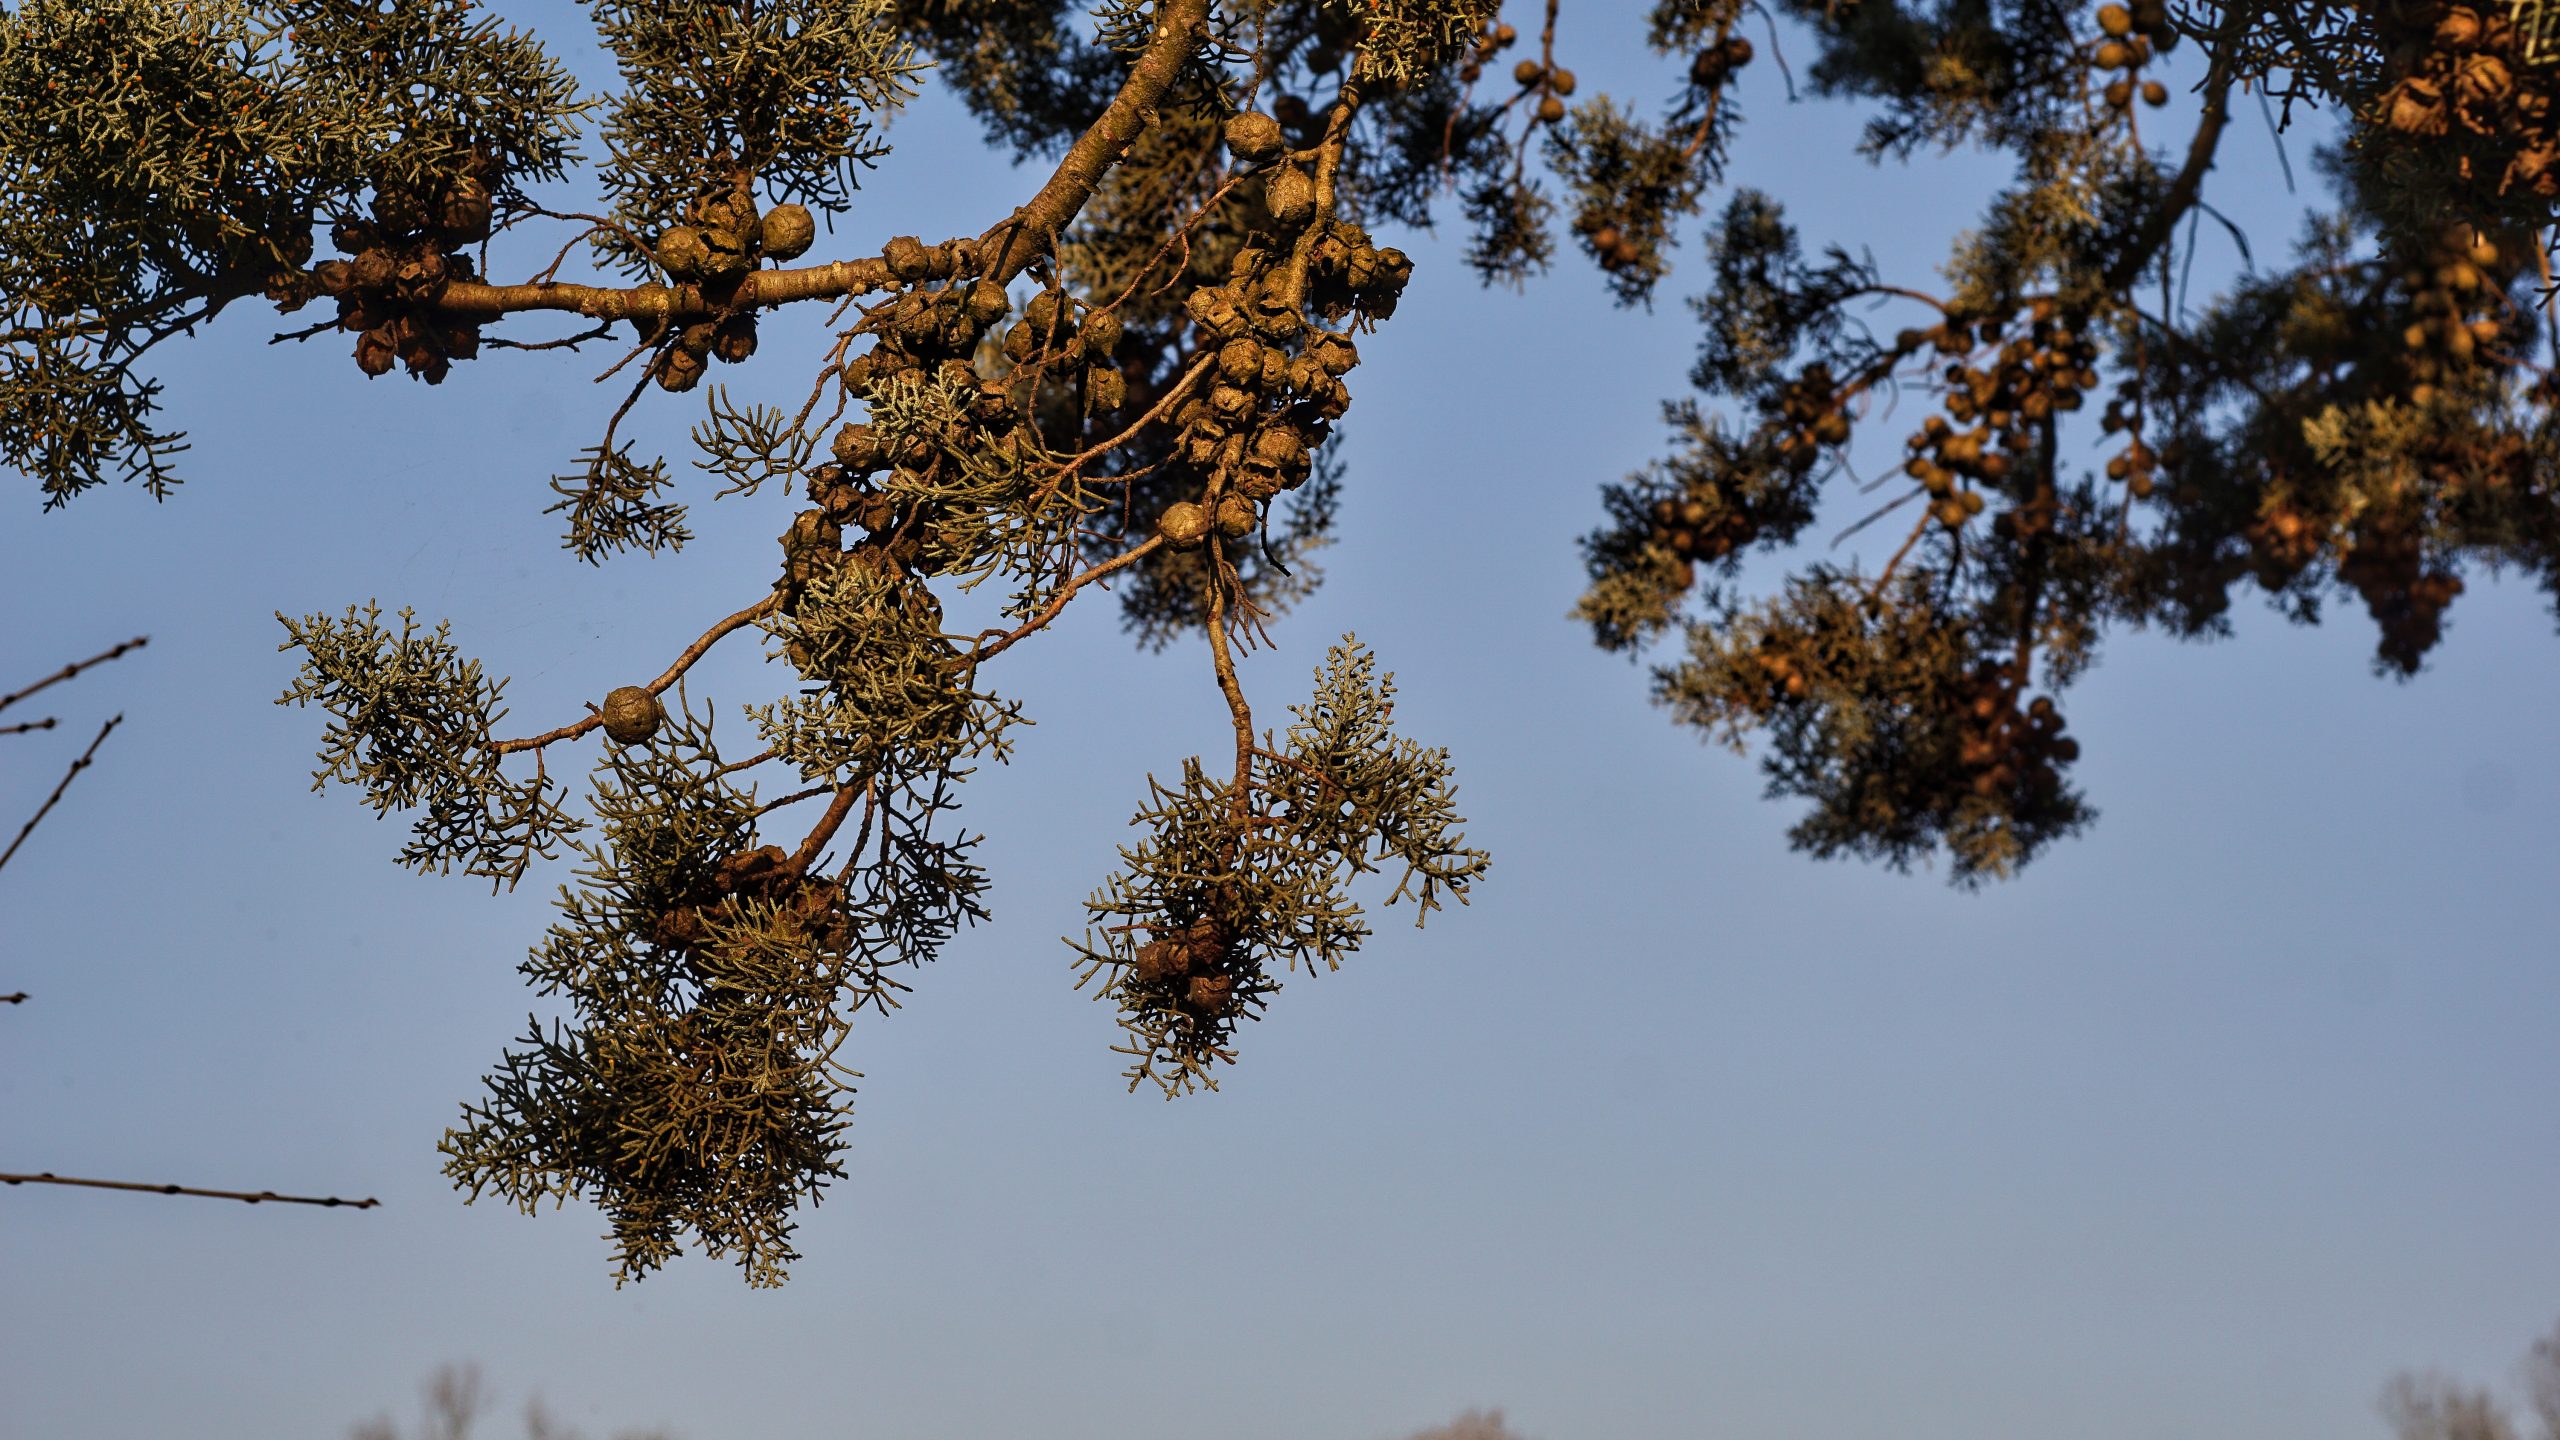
<point>1222,660</point>
<point>564,342</point>
<point>2275,135</point>
<point>250,1196</point>
<point>1180,238</point>
<point>1885,576</point>
<point>67,671</point>
<point>1877,514</point>
<point>1778,52</point>
<point>1058,602</point>
<point>1923,296</point>
<point>1706,126</point>
<point>305,333</point>
<point>76,767</point>
<point>594,223</point>
<point>683,662</point>
<point>807,854</point>
<point>871,808</point>
<point>1188,378</point>
<point>752,761</point>
<point>793,798</point>
<point>1303,768</point>
<point>2551,319</point>
<point>17,997</point>
<point>23,726</point>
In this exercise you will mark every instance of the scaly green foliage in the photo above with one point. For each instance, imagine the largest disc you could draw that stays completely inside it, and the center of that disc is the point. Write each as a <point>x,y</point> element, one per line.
<point>710,983</point>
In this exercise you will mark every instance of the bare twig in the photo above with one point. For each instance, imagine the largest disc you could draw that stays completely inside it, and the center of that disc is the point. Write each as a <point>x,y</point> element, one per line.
<point>2183,189</point>
<point>1180,386</point>
<point>794,798</point>
<point>67,671</point>
<point>1877,514</point>
<point>250,1196</point>
<point>751,762</point>
<point>67,776</point>
<point>1222,660</point>
<point>807,855</point>
<point>1884,577</point>
<point>683,662</point>
<point>1058,602</point>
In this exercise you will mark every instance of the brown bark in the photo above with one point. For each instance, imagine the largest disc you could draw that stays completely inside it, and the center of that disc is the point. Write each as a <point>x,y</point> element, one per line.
<point>1009,246</point>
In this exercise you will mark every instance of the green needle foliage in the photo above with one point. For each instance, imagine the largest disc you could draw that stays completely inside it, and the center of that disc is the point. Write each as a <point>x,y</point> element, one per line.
<point>1133,380</point>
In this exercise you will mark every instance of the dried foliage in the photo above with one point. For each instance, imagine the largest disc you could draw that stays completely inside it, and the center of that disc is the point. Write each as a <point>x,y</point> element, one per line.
<point>612,505</point>
<point>1134,381</point>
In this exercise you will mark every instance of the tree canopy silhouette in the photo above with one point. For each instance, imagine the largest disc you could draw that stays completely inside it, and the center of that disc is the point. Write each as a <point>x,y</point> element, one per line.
<point>1130,382</point>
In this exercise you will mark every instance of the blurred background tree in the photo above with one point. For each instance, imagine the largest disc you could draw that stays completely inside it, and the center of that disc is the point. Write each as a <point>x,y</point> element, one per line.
<point>452,1403</point>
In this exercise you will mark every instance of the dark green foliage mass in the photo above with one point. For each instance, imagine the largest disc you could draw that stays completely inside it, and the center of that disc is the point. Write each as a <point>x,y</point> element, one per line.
<point>2373,419</point>
<point>1134,379</point>
<point>161,161</point>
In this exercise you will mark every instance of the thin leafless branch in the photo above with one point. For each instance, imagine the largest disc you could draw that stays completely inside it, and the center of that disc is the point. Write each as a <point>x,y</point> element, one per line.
<point>67,671</point>
<point>76,767</point>
<point>250,1196</point>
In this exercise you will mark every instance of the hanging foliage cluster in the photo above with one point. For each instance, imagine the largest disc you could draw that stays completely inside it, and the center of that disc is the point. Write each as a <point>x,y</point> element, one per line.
<point>2374,418</point>
<point>1134,380</point>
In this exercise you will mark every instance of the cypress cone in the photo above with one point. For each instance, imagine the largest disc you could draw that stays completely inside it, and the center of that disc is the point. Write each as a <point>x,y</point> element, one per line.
<point>1183,524</point>
<point>1237,516</point>
<point>787,232</point>
<point>1290,195</point>
<point>1254,137</point>
<point>683,252</point>
<point>632,715</point>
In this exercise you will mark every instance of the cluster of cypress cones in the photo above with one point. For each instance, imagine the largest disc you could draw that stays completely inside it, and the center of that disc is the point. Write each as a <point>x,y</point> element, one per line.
<point>2470,74</point>
<point>399,261</point>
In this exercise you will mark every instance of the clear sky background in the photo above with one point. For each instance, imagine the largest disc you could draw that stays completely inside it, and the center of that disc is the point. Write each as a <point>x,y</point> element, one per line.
<point>2208,1125</point>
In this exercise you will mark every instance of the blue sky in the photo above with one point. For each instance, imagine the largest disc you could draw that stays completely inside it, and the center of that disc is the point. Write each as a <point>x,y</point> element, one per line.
<point>2205,1127</point>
